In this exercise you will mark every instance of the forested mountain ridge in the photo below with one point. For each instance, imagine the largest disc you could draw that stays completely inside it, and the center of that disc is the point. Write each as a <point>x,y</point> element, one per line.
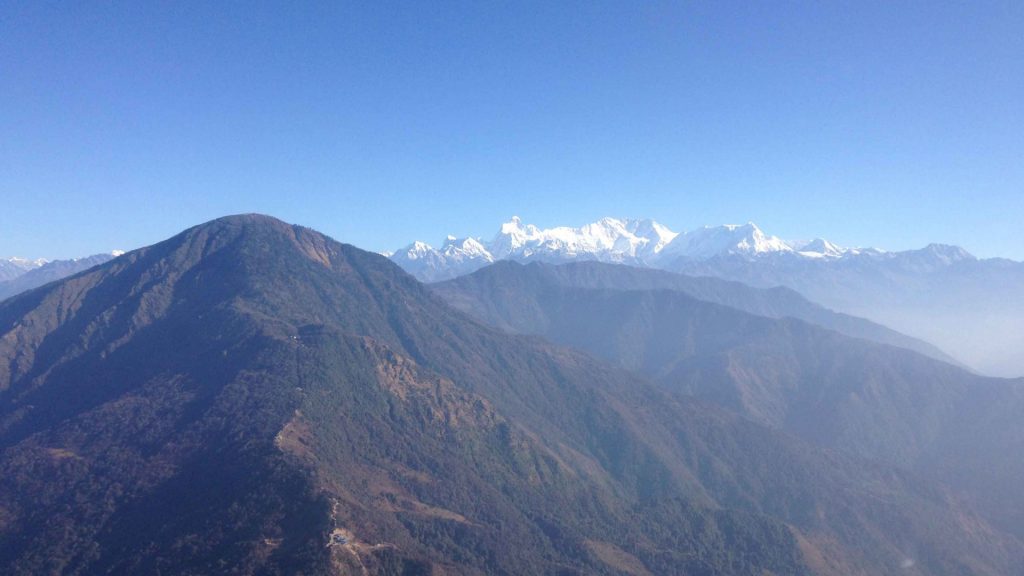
<point>878,401</point>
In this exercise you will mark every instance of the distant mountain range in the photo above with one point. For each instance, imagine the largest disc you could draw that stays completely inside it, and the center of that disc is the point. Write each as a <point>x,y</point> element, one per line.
<point>35,273</point>
<point>968,307</point>
<point>256,398</point>
<point>971,308</point>
<point>530,281</point>
<point>14,267</point>
<point>636,242</point>
<point>775,365</point>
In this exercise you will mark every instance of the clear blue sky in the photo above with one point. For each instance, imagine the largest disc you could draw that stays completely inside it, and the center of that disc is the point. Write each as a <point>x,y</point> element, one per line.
<point>891,124</point>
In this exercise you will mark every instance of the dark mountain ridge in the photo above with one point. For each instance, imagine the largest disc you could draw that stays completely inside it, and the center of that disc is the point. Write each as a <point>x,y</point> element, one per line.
<point>777,302</point>
<point>253,397</point>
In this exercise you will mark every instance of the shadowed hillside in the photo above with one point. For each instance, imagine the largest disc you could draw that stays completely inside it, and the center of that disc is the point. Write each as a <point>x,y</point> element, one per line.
<point>877,401</point>
<point>505,276</point>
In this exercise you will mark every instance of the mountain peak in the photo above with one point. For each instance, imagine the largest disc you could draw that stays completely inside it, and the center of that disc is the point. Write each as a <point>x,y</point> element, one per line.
<point>253,264</point>
<point>641,242</point>
<point>945,254</point>
<point>948,250</point>
<point>416,250</point>
<point>246,219</point>
<point>515,224</point>
<point>749,226</point>
<point>820,248</point>
<point>259,236</point>
<point>726,240</point>
<point>26,263</point>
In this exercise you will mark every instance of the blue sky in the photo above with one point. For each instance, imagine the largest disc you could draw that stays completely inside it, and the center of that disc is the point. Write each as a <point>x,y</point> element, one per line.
<point>891,124</point>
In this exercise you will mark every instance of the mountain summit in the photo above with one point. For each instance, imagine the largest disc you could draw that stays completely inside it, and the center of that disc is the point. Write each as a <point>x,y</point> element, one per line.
<point>11,268</point>
<point>730,239</point>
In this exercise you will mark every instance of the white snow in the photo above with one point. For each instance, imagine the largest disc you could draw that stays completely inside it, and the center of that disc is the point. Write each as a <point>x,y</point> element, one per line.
<point>642,242</point>
<point>26,264</point>
<point>820,248</point>
<point>608,239</point>
<point>729,239</point>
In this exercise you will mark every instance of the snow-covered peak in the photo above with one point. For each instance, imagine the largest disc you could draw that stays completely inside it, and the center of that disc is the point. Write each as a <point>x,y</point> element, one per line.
<point>511,237</point>
<point>728,239</point>
<point>657,235</point>
<point>515,227</point>
<point>608,239</point>
<point>754,240</point>
<point>456,257</point>
<point>27,264</point>
<point>820,248</point>
<point>945,253</point>
<point>465,248</point>
<point>634,241</point>
<point>415,251</point>
<point>642,242</point>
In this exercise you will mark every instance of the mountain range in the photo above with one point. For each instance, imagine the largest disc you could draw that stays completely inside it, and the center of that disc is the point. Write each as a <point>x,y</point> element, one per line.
<point>624,241</point>
<point>253,397</point>
<point>786,371</point>
<point>32,274</point>
<point>966,306</point>
<point>14,267</point>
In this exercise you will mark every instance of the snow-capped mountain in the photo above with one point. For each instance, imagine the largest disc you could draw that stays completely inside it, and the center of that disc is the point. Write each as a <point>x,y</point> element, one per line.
<point>818,248</point>
<point>11,268</point>
<point>607,240</point>
<point>34,273</point>
<point>455,258</point>
<point>641,242</point>
<point>648,243</point>
<point>939,293</point>
<point>730,239</point>
<point>26,263</point>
